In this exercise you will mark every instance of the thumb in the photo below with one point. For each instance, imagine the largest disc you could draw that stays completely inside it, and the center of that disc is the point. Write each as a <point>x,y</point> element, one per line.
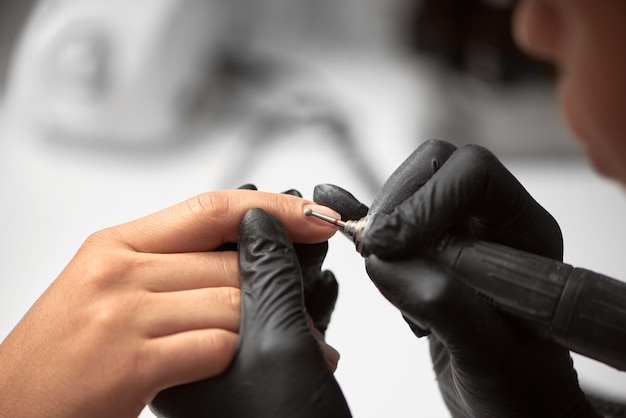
<point>340,200</point>
<point>271,280</point>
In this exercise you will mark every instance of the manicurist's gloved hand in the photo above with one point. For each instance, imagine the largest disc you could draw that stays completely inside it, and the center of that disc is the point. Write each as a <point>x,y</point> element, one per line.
<point>320,286</point>
<point>485,365</point>
<point>279,369</point>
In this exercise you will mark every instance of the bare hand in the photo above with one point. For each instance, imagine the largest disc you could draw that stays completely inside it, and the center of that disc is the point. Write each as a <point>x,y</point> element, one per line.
<point>141,307</point>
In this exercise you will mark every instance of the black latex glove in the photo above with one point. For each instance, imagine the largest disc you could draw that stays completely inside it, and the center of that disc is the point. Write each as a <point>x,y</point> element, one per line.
<point>320,286</point>
<point>279,369</point>
<point>485,365</point>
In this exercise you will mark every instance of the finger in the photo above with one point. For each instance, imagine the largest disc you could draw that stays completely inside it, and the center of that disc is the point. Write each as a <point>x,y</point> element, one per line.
<point>186,357</point>
<point>232,246</point>
<point>293,192</point>
<point>175,312</point>
<point>186,271</point>
<point>331,355</point>
<point>418,331</point>
<point>271,280</point>
<point>204,222</point>
<point>412,174</point>
<point>340,200</point>
<point>311,257</point>
<point>471,185</point>
<point>320,299</point>
<point>320,287</point>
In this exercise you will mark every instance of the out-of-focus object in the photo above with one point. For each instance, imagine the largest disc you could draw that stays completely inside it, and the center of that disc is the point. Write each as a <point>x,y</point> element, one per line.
<point>13,14</point>
<point>114,71</point>
<point>342,25</point>
<point>473,36</point>
<point>485,89</point>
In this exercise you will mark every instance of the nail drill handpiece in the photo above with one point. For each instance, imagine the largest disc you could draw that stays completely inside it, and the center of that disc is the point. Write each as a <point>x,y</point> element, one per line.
<point>573,307</point>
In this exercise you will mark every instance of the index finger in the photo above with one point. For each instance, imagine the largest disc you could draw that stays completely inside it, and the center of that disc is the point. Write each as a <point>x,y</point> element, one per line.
<point>204,222</point>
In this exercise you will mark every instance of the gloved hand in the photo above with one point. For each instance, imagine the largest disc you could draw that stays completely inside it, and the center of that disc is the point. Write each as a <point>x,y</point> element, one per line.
<point>320,286</point>
<point>485,365</point>
<point>279,369</point>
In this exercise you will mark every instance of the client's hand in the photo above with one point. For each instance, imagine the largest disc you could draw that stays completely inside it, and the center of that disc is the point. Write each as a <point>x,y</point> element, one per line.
<point>141,307</point>
<point>278,369</point>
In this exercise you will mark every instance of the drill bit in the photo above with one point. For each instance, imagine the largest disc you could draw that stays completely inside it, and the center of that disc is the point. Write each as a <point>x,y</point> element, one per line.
<point>353,228</point>
<point>338,222</point>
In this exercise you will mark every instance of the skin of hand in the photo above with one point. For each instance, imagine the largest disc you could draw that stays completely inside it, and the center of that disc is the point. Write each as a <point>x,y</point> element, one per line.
<point>586,41</point>
<point>485,365</point>
<point>141,307</point>
<point>278,369</point>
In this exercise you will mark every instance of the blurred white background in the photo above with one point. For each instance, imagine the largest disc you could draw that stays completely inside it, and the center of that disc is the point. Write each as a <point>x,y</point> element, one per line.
<point>114,109</point>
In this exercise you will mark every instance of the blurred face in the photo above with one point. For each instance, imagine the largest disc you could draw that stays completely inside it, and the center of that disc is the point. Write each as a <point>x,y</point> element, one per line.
<point>586,40</point>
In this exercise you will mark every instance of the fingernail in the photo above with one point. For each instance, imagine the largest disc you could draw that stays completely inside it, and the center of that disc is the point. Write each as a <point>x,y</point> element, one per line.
<point>332,356</point>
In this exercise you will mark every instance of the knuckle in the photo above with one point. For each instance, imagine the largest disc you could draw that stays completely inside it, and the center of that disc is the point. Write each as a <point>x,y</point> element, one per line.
<point>96,240</point>
<point>213,205</point>
<point>104,238</point>
<point>221,345</point>
<point>227,266</point>
<point>221,341</point>
<point>477,156</point>
<point>105,269</point>
<point>101,269</point>
<point>115,314</point>
<point>437,148</point>
<point>434,297</point>
<point>232,299</point>
<point>106,314</point>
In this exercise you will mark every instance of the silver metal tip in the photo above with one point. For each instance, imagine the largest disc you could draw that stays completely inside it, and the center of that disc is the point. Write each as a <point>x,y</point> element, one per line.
<point>308,212</point>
